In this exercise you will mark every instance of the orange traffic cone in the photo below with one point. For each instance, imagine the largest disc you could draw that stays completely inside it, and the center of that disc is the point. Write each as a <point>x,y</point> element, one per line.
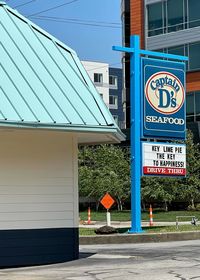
<point>89,216</point>
<point>150,216</point>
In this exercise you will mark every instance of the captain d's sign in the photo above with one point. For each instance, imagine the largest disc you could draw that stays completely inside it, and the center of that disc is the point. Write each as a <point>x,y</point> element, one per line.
<point>163,89</point>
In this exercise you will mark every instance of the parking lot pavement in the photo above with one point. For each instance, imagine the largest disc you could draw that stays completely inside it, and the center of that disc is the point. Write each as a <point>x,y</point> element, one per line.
<point>152,261</point>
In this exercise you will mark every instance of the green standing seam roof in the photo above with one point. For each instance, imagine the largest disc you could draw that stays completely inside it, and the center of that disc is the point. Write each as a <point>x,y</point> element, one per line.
<point>43,83</point>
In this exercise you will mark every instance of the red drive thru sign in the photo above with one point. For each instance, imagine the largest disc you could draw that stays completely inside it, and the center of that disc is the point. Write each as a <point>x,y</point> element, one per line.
<point>164,159</point>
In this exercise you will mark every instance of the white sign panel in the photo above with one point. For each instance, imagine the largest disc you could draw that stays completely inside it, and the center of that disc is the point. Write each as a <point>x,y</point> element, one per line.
<point>164,159</point>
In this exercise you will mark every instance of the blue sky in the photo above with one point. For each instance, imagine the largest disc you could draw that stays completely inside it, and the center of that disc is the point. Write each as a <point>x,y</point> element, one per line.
<point>95,29</point>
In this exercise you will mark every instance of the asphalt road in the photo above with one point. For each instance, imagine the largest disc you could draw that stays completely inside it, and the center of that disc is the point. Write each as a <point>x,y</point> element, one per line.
<point>150,261</point>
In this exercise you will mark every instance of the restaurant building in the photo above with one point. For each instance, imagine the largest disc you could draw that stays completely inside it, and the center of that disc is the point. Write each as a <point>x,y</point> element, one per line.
<point>48,106</point>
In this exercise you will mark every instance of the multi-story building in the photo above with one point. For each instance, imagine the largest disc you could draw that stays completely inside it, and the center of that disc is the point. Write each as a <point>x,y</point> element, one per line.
<point>170,26</point>
<point>108,82</point>
<point>115,96</point>
<point>99,74</point>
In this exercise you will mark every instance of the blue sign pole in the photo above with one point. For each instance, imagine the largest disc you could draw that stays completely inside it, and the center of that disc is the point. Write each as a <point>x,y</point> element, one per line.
<point>135,114</point>
<point>135,127</point>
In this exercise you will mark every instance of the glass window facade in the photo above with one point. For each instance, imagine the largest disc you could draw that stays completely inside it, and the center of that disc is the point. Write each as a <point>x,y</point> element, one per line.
<point>155,19</point>
<point>193,13</point>
<point>172,15</point>
<point>175,16</point>
<point>193,106</point>
<point>194,56</point>
<point>178,50</point>
<point>197,106</point>
<point>191,50</point>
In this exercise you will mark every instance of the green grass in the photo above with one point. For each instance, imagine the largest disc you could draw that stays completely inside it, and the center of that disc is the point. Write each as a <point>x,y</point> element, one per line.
<point>101,215</point>
<point>159,216</point>
<point>171,215</point>
<point>86,231</point>
<point>181,228</point>
<point>159,229</point>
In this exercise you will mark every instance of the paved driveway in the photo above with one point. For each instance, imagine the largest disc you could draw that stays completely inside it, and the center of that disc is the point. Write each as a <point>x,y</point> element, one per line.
<point>152,261</point>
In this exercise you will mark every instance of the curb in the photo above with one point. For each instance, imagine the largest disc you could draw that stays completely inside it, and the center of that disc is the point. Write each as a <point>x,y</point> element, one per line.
<point>139,238</point>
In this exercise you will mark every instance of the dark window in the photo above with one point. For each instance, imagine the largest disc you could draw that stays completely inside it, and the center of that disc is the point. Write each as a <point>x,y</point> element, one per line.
<point>160,50</point>
<point>115,117</point>
<point>186,14</point>
<point>175,15</point>
<point>190,106</point>
<point>113,80</point>
<point>193,106</point>
<point>178,50</point>
<point>197,104</point>
<point>113,102</point>
<point>194,55</point>
<point>194,15</point>
<point>172,15</point>
<point>98,78</point>
<point>155,19</point>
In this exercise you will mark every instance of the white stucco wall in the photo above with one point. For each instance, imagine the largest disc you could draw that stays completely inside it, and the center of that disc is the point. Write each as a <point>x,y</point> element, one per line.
<point>38,179</point>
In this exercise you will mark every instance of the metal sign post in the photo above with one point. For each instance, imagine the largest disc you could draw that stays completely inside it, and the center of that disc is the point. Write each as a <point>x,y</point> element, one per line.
<point>135,114</point>
<point>107,201</point>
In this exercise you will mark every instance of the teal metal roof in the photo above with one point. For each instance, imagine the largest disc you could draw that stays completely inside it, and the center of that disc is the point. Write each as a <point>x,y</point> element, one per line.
<point>43,83</point>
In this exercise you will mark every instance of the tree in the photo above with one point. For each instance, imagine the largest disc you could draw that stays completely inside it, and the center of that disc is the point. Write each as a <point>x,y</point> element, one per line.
<point>189,187</point>
<point>167,190</point>
<point>157,189</point>
<point>102,169</point>
<point>106,168</point>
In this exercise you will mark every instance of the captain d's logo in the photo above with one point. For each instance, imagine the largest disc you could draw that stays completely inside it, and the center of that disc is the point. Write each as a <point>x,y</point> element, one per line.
<point>165,93</point>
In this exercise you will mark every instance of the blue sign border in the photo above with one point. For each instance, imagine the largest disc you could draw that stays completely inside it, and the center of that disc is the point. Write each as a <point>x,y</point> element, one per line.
<point>158,133</point>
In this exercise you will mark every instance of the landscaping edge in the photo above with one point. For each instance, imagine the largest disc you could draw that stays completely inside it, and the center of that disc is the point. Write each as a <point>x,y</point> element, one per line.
<point>139,238</point>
